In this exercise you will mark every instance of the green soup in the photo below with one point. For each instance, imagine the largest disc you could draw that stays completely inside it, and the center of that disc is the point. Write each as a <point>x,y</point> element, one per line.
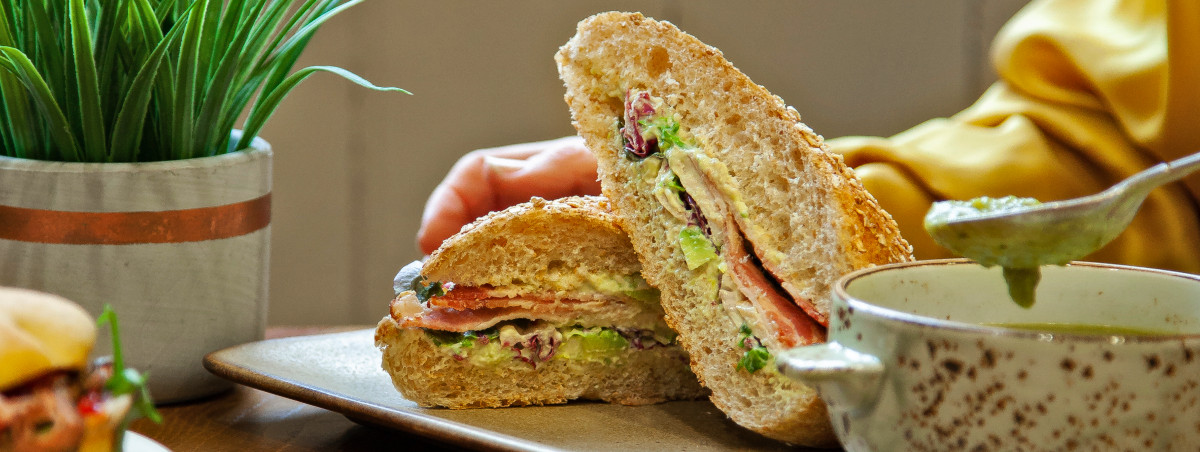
<point>1020,260</point>
<point>1082,328</point>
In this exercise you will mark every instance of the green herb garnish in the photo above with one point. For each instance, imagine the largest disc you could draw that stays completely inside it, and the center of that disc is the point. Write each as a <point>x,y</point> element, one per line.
<point>426,291</point>
<point>666,129</point>
<point>756,355</point>
<point>148,80</point>
<point>754,359</point>
<point>744,334</point>
<point>674,184</point>
<point>125,380</point>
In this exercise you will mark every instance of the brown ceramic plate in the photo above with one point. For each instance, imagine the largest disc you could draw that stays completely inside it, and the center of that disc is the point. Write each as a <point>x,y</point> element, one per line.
<point>341,372</point>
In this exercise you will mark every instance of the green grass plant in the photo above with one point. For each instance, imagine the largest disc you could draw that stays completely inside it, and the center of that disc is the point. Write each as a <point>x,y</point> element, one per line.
<point>149,80</point>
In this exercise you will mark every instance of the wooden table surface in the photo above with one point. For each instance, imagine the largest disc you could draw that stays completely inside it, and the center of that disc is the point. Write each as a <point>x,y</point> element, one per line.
<point>250,420</point>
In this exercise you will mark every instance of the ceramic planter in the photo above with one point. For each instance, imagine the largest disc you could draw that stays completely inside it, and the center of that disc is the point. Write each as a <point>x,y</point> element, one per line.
<point>180,249</point>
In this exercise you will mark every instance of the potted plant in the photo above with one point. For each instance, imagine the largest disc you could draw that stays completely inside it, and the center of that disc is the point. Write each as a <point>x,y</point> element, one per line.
<point>122,177</point>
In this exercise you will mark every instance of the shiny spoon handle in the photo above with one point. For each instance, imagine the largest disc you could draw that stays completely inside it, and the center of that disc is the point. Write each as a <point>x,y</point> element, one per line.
<point>1162,173</point>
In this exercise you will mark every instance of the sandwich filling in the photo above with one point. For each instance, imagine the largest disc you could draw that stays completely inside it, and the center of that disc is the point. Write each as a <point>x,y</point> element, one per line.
<point>525,326</point>
<point>76,407</point>
<point>699,191</point>
<point>58,410</point>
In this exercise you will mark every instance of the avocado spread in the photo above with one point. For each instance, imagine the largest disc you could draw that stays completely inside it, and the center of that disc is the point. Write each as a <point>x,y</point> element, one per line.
<point>528,344</point>
<point>697,249</point>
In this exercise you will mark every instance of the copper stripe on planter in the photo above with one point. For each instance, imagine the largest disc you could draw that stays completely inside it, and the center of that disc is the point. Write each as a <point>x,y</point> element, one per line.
<point>126,228</point>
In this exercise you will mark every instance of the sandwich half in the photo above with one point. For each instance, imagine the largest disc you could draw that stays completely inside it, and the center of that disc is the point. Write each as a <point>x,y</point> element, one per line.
<point>740,215</point>
<point>541,303</point>
<point>53,397</point>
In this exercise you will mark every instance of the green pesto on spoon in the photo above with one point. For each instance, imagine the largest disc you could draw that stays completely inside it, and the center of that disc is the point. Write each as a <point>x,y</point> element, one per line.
<point>1022,234</point>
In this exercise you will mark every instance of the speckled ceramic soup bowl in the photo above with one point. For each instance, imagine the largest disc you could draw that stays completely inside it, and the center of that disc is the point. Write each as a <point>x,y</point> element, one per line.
<point>914,361</point>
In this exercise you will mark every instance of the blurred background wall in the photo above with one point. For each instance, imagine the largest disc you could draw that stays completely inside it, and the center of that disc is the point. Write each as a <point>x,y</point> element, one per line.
<point>353,167</point>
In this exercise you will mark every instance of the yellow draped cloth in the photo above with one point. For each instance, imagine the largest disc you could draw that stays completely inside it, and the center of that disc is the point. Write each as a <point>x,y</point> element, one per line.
<point>1090,92</point>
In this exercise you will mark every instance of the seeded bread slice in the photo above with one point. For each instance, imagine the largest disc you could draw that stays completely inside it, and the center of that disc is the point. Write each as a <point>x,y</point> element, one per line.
<point>807,215</point>
<point>533,242</point>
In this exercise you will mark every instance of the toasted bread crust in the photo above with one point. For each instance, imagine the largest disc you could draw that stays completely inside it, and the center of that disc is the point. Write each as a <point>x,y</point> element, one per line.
<point>431,376</point>
<point>523,241</point>
<point>810,215</point>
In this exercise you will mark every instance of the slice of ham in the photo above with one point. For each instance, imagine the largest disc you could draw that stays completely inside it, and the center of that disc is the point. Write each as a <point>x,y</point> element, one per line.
<point>804,303</point>
<point>784,322</point>
<point>788,321</point>
<point>471,309</point>
<point>443,319</point>
<point>45,418</point>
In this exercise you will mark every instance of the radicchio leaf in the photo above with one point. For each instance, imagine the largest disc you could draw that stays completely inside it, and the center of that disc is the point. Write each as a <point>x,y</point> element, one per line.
<point>638,107</point>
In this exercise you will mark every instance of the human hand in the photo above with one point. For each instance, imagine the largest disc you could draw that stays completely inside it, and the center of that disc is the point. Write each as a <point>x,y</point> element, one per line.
<point>492,179</point>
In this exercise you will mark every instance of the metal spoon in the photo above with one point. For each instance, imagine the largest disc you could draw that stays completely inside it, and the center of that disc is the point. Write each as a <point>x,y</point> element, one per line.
<point>1054,232</point>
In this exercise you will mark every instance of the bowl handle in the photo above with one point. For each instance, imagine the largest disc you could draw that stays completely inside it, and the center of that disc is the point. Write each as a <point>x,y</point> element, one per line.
<point>842,376</point>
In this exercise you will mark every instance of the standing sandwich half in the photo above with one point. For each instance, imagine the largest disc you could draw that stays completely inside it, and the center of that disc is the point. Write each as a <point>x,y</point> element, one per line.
<point>740,215</point>
<point>537,304</point>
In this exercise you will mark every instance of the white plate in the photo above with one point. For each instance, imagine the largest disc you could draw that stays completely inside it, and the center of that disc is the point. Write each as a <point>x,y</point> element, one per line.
<point>341,372</point>
<point>135,442</point>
